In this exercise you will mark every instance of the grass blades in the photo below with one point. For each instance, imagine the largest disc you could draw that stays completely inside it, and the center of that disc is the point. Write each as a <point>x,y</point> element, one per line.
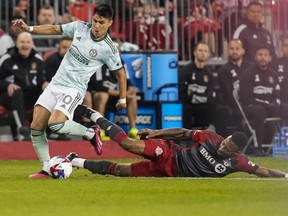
<point>87,194</point>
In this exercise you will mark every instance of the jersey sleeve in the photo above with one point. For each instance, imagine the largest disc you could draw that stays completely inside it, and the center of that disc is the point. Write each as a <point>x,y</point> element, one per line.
<point>68,29</point>
<point>200,136</point>
<point>245,165</point>
<point>113,60</point>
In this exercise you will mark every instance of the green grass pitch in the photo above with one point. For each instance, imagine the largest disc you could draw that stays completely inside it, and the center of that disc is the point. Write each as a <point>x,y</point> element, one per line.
<point>87,194</point>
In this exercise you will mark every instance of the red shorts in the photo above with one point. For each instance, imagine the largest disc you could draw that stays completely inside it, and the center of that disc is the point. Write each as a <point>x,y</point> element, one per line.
<point>159,161</point>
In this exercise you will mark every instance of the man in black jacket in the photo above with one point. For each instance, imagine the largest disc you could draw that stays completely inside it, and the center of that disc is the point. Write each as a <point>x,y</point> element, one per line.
<point>260,93</point>
<point>199,94</point>
<point>251,32</point>
<point>228,78</point>
<point>21,76</point>
<point>280,65</point>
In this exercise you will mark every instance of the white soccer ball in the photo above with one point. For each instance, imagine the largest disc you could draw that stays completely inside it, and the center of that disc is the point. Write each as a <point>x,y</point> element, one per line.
<point>59,167</point>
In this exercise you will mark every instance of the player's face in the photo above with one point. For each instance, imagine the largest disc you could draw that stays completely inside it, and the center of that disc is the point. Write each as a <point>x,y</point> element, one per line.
<point>100,26</point>
<point>235,50</point>
<point>24,44</point>
<point>227,148</point>
<point>201,53</point>
<point>255,13</point>
<point>263,58</point>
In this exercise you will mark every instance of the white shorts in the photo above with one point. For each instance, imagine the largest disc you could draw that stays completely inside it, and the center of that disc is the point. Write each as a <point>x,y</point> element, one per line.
<point>60,98</point>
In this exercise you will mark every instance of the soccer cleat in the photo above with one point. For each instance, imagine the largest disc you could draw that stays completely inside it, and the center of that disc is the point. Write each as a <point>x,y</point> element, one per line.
<point>103,136</point>
<point>96,141</point>
<point>41,174</point>
<point>83,110</point>
<point>71,156</point>
<point>133,133</point>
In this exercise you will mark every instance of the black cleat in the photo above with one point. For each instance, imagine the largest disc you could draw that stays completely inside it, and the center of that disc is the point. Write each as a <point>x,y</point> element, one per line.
<point>84,111</point>
<point>71,156</point>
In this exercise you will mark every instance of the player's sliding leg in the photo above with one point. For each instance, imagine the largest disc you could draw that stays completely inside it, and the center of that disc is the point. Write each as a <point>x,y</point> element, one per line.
<point>100,167</point>
<point>114,131</point>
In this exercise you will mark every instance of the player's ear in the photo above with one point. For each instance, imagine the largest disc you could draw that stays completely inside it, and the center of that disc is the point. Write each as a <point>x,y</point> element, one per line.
<point>110,22</point>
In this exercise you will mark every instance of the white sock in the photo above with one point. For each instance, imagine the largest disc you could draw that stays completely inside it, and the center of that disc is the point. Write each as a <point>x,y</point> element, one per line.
<point>45,165</point>
<point>78,162</point>
<point>95,116</point>
<point>89,133</point>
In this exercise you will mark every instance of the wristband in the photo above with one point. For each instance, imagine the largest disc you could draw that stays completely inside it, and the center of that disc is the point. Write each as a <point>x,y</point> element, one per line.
<point>286,176</point>
<point>31,29</point>
<point>122,101</point>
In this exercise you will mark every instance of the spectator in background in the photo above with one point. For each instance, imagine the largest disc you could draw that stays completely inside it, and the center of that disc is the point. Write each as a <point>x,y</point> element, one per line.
<point>21,77</point>
<point>103,93</point>
<point>8,39</point>
<point>52,64</point>
<point>200,27</point>
<point>228,77</point>
<point>46,16</point>
<point>259,94</point>
<point>199,94</point>
<point>280,65</point>
<point>252,33</point>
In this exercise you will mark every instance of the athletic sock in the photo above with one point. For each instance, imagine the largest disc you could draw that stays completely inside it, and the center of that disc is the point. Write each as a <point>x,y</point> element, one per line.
<point>95,116</point>
<point>114,131</point>
<point>40,144</point>
<point>72,128</point>
<point>99,167</point>
<point>78,162</point>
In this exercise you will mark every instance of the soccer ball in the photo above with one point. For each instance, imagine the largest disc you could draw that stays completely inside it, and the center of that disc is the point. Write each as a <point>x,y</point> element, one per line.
<point>59,167</point>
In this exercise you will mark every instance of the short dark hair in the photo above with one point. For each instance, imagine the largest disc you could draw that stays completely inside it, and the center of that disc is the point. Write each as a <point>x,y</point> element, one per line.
<point>65,38</point>
<point>200,42</point>
<point>104,10</point>
<point>263,46</point>
<point>240,139</point>
<point>254,3</point>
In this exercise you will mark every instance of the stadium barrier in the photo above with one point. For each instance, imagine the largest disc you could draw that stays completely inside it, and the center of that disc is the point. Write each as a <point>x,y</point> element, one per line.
<point>280,148</point>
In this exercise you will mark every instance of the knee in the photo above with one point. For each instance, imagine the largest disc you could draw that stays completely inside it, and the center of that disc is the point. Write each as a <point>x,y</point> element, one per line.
<point>101,97</point>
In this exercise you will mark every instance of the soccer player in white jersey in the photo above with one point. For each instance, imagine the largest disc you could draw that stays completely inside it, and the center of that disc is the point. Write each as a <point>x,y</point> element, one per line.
<point>91,48</point>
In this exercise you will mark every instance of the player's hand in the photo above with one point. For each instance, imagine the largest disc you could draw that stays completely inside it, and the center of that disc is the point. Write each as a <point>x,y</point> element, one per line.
<point>20,24</point>
<point>121,106</point>
<point>12,88</point>
<point>145,133</point>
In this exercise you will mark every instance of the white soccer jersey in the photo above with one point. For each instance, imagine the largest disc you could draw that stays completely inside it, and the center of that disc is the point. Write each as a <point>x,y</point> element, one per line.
<point>85,56</point>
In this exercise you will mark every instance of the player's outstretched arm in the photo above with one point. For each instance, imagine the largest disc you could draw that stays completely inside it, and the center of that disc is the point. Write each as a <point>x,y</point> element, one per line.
<point>41,29</point>
<point>265,172</point>
<point>180,133</point>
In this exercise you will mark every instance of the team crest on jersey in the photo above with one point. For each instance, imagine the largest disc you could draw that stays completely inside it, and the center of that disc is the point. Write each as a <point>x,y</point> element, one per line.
<point>270,79</point>
<point>158,150</point>
<point>33,66</point>
<point>205,78</point>
<point>93,52</point>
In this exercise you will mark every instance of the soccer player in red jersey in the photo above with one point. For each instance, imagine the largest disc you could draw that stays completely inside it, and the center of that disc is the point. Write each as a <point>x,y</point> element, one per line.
<point>209,155</point>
